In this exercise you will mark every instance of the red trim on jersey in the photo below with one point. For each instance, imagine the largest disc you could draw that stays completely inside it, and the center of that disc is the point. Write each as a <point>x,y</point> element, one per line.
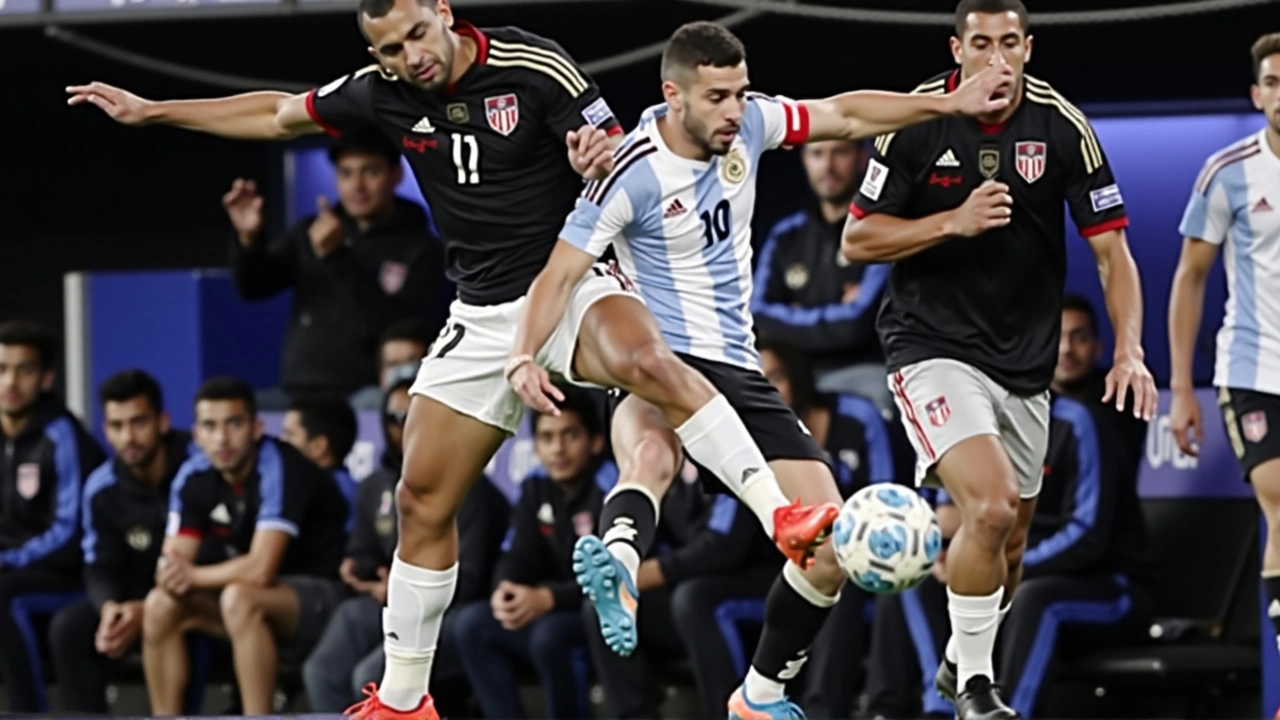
<point>953,80</point>
<point>315,116</point>
<point>856,211</point>
<point>900,389</point>
<point>796,117</point>
<point>466,29</point>
<point>1108,226</point>
<point>615,130</point>
<point>191,533</point>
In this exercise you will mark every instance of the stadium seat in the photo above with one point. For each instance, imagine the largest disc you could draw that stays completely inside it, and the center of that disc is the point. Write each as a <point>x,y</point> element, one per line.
<point>1204,637</point>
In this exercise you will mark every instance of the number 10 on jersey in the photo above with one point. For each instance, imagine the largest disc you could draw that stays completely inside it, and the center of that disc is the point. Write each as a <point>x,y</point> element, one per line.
<point>716,223</point>
<point>466,157</point>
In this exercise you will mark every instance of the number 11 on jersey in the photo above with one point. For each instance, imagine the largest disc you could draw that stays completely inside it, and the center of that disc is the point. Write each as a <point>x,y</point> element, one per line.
<point>466,157</point>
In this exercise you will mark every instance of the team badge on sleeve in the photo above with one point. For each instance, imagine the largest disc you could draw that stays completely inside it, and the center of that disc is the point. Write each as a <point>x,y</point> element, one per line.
<point>873,183</point>
<point>502,112</point>
<point>1107,197</point>
<point>597,112</point>
<point>1030,160</point>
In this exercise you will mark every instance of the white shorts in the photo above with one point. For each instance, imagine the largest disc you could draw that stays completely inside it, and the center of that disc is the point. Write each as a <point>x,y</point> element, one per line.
<point>943,402</point>
<point>464,369</point>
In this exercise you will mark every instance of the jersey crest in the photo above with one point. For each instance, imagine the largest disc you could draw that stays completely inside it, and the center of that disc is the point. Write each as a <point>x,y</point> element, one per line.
<point>733,167</point>
<point>502,112</point>
<point>1030,160</point>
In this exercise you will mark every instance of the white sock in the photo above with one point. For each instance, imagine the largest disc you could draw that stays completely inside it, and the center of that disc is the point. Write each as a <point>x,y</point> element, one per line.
<point>416,600</point>
<point>951,651</point>
<point>974,622</point>
<point>716,438</point>
<point>760,690</point>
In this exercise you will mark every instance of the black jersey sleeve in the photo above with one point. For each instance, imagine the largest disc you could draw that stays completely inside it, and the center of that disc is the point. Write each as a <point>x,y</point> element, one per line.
<point>345,104</point>
<point>886,187</point>
<point>1092,194</point>
<point>567,96</point>
<point>190,500</point>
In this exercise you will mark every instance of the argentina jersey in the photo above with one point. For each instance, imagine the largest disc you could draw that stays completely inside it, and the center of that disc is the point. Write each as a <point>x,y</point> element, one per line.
<point>1236,204</point>
<point>681,228</point>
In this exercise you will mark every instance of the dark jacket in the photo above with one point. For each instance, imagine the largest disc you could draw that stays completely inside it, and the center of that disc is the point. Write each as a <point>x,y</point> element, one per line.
<point>41,478</point>
<point>729,540</point>
<point>123,519</point>
<point>799,293</point>
<point>1088,519</point>
<point>545,524</point>
<point>343,302</point>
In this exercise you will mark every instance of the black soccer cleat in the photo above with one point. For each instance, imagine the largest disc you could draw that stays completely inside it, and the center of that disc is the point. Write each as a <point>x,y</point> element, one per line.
<point>981,701</point>
<point>944,681</point>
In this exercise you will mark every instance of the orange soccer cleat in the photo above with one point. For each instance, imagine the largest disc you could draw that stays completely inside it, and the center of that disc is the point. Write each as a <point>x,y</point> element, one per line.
<point>371,708</point>
<point>798,529</point>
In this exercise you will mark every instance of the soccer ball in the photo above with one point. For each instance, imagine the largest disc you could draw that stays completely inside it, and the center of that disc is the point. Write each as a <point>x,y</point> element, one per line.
<point>886,538</point>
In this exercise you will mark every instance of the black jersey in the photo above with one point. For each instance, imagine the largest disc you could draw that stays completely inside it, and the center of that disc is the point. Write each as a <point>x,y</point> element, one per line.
<point>488,152</point>
<point>285,492</point>
<point>993,301</point>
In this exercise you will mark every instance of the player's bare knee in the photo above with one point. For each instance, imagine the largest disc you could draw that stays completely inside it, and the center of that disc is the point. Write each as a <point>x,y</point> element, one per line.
<point>421,507</point>
<point>161,612</point>
<point>654,463</point>
<point>239,607</point>
<point>1014,549</point>
<point>990,518</point>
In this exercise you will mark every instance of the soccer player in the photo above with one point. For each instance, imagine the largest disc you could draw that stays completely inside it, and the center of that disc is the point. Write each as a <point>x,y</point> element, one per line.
<point>677,210</point>
<point>1235,204</point>
<point>483,117</point>
<point>971,214</point>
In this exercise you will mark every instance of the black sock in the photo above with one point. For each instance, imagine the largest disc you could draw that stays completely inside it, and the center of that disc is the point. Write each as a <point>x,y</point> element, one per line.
<point>628,517</point>
<point>791,622</point>
<point>1272,584</point>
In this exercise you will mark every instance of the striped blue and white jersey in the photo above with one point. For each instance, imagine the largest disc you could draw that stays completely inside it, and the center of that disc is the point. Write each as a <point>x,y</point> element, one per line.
<point>681,228</point>
<point>1236,204</point>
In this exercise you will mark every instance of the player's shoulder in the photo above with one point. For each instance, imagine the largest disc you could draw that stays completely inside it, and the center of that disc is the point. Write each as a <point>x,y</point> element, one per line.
<point>540,59</point>
<point>1044,99</point>
<point>101,479</point>
<point>634,169</point>
<point>938,84</point>
<point>365,78</point>
<point>1237,152</point>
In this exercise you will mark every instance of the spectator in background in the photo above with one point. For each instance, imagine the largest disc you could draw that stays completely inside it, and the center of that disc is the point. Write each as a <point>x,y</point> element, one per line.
<point>1079,376</point>
<point>126,501</point>
<point>277,519</point>
<point>323,428</point>
<point>47,454</point>
<point>354,268</point>
<point>534,615</point>
<point>404,342</point>
<point>349,655</point>
<point>809,297</point>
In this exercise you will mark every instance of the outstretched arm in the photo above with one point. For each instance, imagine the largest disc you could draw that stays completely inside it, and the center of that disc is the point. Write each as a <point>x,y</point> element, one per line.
<point>264,115</point>
<point>866,113</point>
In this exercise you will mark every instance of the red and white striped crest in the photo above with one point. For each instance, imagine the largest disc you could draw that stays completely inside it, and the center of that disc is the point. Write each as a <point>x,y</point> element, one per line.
<point>1030,160</point>
<point>502,112</point>
<point>938,411</point>
<point>1254,425</point>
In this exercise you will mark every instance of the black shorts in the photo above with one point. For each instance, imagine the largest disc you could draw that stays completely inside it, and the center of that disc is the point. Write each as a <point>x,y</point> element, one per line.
<point>1250,417</point>
<point>772,424</point>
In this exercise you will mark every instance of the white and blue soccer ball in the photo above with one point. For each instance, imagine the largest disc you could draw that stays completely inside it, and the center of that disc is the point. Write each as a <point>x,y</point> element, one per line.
<point>886,538</point>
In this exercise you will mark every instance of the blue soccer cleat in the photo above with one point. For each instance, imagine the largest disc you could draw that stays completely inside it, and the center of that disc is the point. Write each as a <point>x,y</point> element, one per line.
<point>740,708</point>
<point>608,586</point>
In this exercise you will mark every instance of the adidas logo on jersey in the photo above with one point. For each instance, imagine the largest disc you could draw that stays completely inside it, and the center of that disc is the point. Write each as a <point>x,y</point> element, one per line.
<point>1261,206</point>
<point>674,209</point>
<point>424,126</point>
<point>948,159</point>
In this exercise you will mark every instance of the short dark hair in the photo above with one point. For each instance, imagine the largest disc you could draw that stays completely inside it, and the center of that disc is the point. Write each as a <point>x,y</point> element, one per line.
<point>364,142</point>
<point>33,335</point>
<point>577,401</point>
<point>1081,304</point>
<point>1265,47</point>
<point>129,384</point>
<point>379,8</point>
<point>411,329</point>
<point>229,388</point>
<point>700,43</point>
<point>990,7</point>
<point>798,368</point>
<point>329,416</point>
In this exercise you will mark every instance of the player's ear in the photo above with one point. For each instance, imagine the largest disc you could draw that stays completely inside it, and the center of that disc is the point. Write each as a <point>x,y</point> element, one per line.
<point>165,423</point>
<point>1026,58</point>
<point>671,93</point>
<point>1255,93</point>
<point>955,49</point>
<point>445,12</point>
